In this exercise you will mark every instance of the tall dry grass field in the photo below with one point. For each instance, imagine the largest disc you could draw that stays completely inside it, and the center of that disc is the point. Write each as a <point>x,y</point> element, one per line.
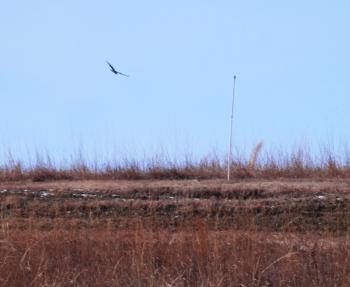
<point>261,165</point>
<point>277,223</point>
<point>198,257</point>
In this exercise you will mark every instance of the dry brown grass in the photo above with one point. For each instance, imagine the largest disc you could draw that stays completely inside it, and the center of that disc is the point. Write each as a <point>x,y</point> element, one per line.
<point>177,224</point>
<point>254,156</point>
<point>298,164</point>
<point>182,233</point>
<point>199,257</point>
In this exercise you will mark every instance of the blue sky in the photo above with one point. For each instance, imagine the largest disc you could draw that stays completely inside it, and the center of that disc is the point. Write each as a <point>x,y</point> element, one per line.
<point>291,59</point>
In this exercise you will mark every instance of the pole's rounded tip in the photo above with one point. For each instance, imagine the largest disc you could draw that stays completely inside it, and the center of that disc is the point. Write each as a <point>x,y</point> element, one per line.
<point>234,76</point>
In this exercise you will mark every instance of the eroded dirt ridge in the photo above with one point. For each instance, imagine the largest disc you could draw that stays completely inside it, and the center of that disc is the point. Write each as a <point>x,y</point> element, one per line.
<point>277,205</point>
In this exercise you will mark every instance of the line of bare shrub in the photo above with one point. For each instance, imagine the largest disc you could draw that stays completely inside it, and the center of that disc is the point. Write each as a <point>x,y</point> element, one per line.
<point>297,164</point>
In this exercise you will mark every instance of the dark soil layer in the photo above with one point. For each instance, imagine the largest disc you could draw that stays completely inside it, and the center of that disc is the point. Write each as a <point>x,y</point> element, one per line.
<point>263,205</point>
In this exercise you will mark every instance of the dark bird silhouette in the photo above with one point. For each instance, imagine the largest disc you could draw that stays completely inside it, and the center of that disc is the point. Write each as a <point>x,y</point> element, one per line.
<point>114,70</point>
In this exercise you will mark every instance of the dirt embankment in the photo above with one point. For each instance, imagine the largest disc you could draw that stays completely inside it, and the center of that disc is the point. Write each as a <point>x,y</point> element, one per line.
<point>288,205</point>
<point>246,189</point>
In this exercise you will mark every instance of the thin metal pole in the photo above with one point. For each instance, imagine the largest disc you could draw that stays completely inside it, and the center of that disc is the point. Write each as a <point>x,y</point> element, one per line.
<point>230,147</point>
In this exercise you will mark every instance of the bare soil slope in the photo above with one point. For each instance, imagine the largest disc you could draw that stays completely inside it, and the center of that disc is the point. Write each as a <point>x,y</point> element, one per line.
<point>280,205</point>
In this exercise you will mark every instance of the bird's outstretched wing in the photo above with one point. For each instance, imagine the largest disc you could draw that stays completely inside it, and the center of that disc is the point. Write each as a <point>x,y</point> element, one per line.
<point>123,74</point>
<point>112,68</point>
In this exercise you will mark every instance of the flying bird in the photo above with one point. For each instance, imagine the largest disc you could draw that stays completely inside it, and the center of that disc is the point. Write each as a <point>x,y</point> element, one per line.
<point>114,70</point>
